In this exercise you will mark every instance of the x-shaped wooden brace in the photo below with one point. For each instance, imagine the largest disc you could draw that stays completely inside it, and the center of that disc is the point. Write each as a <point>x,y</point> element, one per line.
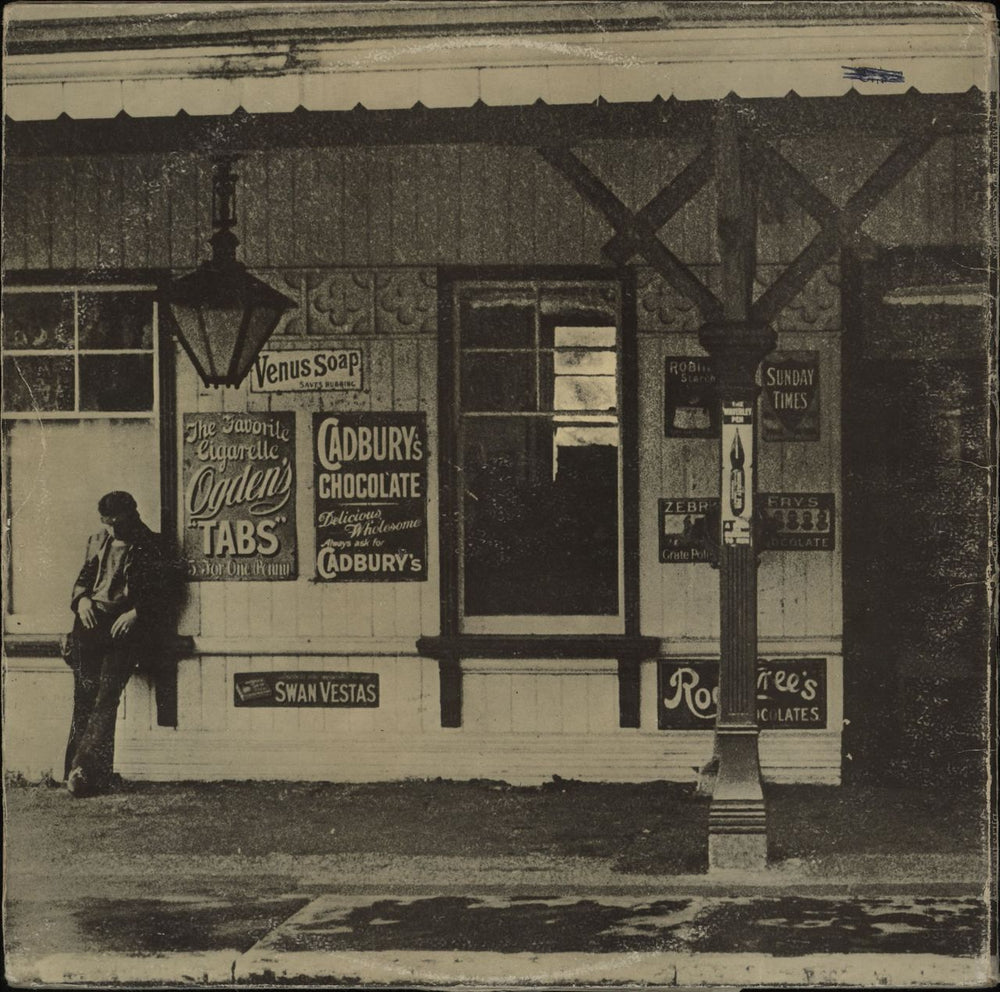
<point>839,226</point>
<point>636,232</point>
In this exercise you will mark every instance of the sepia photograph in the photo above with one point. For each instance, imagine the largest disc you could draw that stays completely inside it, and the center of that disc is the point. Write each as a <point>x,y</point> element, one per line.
<point>499,494</point>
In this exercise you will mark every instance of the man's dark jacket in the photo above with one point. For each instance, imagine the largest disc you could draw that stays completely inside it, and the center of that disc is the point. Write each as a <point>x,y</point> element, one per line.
<point>151,588</point>
<point>143,572</point>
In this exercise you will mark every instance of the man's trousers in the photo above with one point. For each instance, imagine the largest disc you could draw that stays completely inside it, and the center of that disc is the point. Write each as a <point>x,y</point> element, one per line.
<point>101,666</point>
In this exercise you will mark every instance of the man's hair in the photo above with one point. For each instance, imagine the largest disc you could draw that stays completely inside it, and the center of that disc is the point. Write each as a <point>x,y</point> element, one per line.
<point>116,503</point>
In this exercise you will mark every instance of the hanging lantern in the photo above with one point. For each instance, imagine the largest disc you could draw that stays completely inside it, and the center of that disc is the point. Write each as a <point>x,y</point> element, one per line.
<point>223,314</point>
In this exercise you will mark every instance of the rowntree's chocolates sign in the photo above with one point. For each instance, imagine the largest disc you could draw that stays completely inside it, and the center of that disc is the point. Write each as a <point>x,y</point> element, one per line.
<point>791,693</point>
<point>371,496</point>
<point>239,496</point>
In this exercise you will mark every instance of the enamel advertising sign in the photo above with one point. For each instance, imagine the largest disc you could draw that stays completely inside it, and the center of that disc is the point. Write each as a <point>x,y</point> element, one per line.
<point>335,690</point>
<point>239,496</point>
<point>684,528</point>
<point>689,397</point>
<point>737,472</point>
<point>788,522</point>
<point>790,396</point>
<point>306,371</point>
<point>370,496</point>
<point>791,693</point>
<point>798,521</point>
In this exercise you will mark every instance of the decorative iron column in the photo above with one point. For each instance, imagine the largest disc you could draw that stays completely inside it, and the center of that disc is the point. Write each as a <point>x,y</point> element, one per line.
<point>737,835</point>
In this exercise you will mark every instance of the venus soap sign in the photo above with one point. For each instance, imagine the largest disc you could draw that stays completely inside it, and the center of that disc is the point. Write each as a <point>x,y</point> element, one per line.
<point>239,496</point>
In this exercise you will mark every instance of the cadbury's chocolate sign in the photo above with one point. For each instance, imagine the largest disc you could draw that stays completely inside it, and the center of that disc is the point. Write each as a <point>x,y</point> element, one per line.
<point>370,477</point>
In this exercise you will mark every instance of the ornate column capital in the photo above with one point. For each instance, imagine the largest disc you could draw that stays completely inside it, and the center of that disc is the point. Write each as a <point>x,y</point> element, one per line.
<point>736,348</point>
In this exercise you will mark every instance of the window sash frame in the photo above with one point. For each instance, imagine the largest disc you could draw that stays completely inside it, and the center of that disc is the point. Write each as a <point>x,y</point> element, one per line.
<point>519,289</point>
<point>75,352</point>
<point>41,622</point>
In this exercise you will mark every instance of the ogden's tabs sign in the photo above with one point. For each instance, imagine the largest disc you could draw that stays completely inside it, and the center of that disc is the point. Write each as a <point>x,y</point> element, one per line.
<point>790,404</point>
<point>370,496</point>
<point>306,371</point>
<point>239,496</point>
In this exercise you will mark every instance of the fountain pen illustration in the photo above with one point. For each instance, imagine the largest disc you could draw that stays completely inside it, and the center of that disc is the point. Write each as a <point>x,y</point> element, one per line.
<point>737,479</point>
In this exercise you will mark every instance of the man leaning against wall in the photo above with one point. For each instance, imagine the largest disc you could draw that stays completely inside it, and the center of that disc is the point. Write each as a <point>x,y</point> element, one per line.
<point>121,602</point>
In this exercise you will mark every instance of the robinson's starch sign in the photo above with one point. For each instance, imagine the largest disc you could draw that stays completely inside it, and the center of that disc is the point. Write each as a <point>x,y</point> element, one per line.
<point>239,496</point>
<point>371,496</point>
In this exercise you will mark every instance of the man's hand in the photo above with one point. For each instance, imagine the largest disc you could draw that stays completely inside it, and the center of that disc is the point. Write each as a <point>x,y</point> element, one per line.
<point>124,623</point>
<point>85,611</point>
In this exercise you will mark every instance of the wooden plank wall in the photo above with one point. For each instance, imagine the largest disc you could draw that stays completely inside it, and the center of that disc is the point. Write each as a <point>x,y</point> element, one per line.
<point>799,592</point>
<point>399,374</point>
<point>378,210</point>
<point>427,205</point>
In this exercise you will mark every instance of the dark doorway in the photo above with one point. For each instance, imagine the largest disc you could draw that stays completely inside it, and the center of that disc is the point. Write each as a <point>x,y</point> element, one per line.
<point>916,458</point>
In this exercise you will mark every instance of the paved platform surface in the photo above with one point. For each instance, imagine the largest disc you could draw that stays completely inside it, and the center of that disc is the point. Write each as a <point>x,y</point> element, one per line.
<point>438,884</point>
<point>490,924</point>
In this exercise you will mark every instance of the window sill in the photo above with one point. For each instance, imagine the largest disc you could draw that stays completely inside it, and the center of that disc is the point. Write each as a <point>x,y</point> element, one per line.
<point>50,645</point>
<point>620,646</point>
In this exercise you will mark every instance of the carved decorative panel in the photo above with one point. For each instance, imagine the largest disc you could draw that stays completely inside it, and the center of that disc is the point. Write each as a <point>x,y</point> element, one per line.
<point>293,285</point>
<point>405,301</point>
<point>816,308</point>
<point>342,302</point>
<point>662,309</point>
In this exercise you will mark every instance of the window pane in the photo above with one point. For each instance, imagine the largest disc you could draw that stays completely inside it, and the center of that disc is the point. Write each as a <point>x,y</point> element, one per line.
<point>574,435</point>
<point>586,392</point>
<point>498,381</point>
<point>116,383</point>
<point>493,326</point>
<point>540,518</point>
<point>116,320</point>
<point>579,362</point>
<point>585,337</point>
<point>37,383</point>
<point>57,471</point>
<point>37,320</point>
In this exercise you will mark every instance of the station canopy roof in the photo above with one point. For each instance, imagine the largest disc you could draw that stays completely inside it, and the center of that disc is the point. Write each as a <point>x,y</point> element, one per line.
<point>96,61</point>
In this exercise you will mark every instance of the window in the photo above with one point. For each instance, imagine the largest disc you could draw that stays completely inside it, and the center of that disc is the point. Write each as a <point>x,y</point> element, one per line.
<point>539,468</point>
<point>80,418</point>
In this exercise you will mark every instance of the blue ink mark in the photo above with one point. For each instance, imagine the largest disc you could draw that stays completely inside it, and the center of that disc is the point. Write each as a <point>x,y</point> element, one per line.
<point>867,74</point>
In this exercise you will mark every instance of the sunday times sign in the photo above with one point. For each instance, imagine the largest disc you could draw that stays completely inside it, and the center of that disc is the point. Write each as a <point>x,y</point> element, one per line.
<point>370,496</point>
